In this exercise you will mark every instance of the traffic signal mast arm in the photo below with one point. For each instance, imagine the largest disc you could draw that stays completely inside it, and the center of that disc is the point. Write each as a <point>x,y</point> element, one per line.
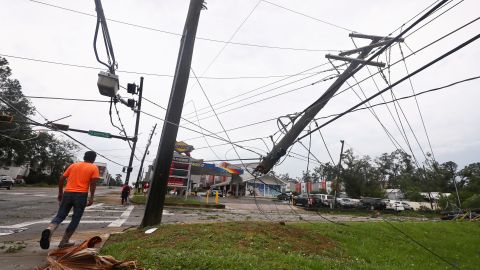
<point>62,127</point>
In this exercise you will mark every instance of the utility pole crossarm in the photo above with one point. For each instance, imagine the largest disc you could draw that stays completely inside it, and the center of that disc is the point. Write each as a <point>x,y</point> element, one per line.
<point>348,59</point>
<point>372,37</point>
<point>357,50</point>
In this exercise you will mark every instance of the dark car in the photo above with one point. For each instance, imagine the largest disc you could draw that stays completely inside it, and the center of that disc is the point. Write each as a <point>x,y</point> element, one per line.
<point>6,182</point>
<point>300,200</point>
<point>284,196</point>
<point>373,203</point>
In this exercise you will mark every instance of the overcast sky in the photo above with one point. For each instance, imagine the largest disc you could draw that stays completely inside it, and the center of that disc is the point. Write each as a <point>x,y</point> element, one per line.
<point>34,30</point>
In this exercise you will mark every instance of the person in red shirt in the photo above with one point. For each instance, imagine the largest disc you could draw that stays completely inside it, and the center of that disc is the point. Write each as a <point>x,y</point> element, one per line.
<point>81,177</point>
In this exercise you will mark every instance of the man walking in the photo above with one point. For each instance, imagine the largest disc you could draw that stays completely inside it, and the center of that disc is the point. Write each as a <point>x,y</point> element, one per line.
<point>80,177</point>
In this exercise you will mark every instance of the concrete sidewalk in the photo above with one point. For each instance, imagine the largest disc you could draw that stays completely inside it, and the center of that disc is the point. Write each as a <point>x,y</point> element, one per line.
<point>23,255</point>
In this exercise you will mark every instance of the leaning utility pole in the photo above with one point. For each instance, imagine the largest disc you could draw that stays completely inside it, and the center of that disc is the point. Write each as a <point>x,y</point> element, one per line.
<point>339,167</point>
<point>309,113</point>
<point>280,149</point>
<point>158,189</point>
<point>143,158</point>
<point>137,122</point>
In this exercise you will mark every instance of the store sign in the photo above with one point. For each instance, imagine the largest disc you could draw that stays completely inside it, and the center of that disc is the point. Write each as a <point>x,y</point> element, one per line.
<point>183,147</point>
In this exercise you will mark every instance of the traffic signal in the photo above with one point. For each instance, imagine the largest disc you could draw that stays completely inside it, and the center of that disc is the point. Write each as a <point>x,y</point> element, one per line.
<point>132,88</point>
<point>131,103</point>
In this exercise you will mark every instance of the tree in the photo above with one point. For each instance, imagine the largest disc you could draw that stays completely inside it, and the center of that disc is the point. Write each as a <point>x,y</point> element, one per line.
<point>19,144</point>
<point>359,177</point>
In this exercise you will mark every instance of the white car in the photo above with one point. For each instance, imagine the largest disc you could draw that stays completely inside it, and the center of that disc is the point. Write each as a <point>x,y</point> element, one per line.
<point>407,206</point>
<point>394,205</point>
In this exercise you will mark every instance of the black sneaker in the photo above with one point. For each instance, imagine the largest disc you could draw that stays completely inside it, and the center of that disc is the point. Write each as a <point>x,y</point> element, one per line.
<point>45,240</point>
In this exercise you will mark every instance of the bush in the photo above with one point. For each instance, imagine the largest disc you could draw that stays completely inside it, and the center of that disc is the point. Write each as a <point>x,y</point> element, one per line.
<point>472,202</point>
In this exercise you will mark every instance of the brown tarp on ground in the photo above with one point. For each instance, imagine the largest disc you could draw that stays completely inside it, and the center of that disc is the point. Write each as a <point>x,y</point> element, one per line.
<point>84,257</point>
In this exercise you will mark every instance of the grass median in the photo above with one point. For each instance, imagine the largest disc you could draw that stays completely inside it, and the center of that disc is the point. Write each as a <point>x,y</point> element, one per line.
<point>264,245</point>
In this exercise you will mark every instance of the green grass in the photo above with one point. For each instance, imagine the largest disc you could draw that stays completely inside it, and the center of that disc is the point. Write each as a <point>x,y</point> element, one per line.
<point>141,199</point>
<point>262,245</point>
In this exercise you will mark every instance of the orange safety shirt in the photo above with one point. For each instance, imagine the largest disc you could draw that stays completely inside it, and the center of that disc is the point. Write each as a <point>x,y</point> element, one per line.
<point>79,176</point>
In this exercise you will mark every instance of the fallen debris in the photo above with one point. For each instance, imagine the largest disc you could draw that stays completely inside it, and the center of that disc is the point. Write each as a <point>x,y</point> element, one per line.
<point>84,257</point>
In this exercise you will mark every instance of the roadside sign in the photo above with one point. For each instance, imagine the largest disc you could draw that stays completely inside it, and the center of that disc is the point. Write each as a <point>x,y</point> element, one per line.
<point>99,134</point>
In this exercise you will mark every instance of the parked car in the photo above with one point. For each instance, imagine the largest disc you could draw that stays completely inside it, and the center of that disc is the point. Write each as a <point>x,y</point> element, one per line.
<point>394,205</point>
<point>6,182</point>
<point>346,203</point>
<point>373,203</point>
<point>301,199</point>
<point>284,196</point>
<point>324,199</point>
<point>407,206</point>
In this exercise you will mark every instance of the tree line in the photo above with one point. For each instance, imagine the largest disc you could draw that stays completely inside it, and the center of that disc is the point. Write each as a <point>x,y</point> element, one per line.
<point>367,177</point>
<point>45,154</point>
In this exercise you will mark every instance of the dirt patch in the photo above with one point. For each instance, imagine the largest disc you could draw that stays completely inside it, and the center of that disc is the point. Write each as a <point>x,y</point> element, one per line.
<point>241,236</point>
<point>283,238</point>
<point>109,199</point>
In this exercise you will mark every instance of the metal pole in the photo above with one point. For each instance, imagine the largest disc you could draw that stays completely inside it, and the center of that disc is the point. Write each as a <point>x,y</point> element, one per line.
<point>339,166</point>
<point>156,196</point>
<point>137,122</point>
<point>144,155</point>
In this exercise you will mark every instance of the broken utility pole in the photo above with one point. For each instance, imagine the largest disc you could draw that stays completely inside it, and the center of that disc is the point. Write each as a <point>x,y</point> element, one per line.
<point>281,148</point>
<point>309,113</point>
<point>158,189</point>
<point>140,170</point>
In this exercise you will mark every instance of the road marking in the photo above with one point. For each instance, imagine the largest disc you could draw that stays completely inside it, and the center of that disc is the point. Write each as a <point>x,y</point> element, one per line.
<point>118,222</point>
<point>25,224</point>
<point>94,206</point>
<point>13,193</point>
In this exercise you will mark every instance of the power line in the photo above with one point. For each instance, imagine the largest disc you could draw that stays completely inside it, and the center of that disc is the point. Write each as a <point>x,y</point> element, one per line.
<point>398,82</point>
<point>301,73</point>
<point>274,96</point>
<point>358,109</point>
<point>149,73</point>
<point>198,132</point>
<point>310,17</point>
<point>230,39</point>
<point>72,138</point>
<point>179,35</point>
<point>263,92</point>
<point>418,106</point>
<point>408,56</point>
<point>67,99</point>
<point>406,97</point>
<point>414,53</point>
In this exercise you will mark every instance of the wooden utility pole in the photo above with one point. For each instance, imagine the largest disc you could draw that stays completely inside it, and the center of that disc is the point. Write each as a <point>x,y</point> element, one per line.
<point>339,168</point>
<point>156,196</point>
<point>140,170</point>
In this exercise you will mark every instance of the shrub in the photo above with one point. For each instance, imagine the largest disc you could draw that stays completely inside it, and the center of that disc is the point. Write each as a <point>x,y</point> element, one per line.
<point>472,202</point>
